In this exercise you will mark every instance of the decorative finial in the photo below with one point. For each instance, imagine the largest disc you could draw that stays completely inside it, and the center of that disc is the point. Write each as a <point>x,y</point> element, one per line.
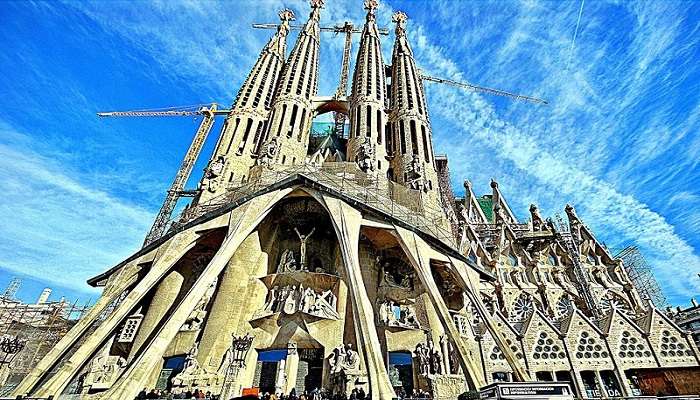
<point>399,18</point>
<point>494,184</point>
<point>287,15</point>
<point>467,185</point>
<point>371,5</point>
<point>317,3</point>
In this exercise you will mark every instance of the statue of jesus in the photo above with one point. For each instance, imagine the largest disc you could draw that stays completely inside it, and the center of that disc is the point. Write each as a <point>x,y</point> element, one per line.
<point>302,250</point>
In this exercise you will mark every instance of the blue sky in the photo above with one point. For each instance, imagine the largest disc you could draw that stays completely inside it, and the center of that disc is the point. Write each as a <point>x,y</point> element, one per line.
<point>620,139</point>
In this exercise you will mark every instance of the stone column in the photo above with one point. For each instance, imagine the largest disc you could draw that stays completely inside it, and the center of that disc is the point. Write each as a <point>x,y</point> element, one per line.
<point>178,246</point>
<point>461,273</point>
<point>226,309</point>
<point>291,369</point>
<point>244,220</point>
<point>418,253</point>
<point>346,222</point>
<point>444,347</point>
<point>163,298</point>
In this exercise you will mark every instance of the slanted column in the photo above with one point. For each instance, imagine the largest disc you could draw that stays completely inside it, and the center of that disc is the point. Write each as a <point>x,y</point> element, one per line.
<point>346,222</point>
<point>179,245</point>
<point>470,288</point>
<point>417,251</point>
<point>162,300</point>
<point>74,334</point>
<point>245,219</point>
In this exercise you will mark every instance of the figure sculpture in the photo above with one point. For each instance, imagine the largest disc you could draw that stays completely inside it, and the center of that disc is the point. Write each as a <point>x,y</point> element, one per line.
<point>302,247</point>
<point>365,155</point>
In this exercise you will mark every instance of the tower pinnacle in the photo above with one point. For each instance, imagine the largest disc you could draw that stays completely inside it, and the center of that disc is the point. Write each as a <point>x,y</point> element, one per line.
<point>287,132</point>
<point>367,142</point>
<point>400,18</point>
<point>245,124</point>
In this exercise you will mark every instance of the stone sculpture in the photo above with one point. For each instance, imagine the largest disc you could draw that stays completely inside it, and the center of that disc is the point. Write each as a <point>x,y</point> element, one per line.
<point>365,156</point>
<point>291,299</point>
<point>403,316</point>
<point>344,359</point>
<point>302,247</point>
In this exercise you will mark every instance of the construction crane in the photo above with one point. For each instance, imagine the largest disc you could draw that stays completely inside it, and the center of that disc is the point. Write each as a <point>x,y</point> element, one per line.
<point>177,188</point>
<point>341,92</point>
<point>482,89</point>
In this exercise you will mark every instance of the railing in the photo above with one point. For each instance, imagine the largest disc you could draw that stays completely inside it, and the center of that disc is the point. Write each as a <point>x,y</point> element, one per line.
<point>407,205</point>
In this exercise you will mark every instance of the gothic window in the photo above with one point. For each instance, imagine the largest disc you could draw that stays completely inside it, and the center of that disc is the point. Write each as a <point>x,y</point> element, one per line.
<point>497,354</point>
<point>402,134</point>
<point>611,300</point>
<point>292,120</point>
<point>248,125</point>
<point>551,260</point>
<point>472,257</point>
<point>589,347</point>
<point>358,120</point>
<point>426,150</point>
<point>409,84</point>
<point>302,75</point>
<point>301,124</point>
<point>414,139</point>
<point>388,142</point>
<point>672,346</point>
<point>233,134</point>
<point>547,349</point>
<point>284,112</point>
<point>262,84</point>
<point>368,121</point>
<point>379,126</point>
<point>632,347</point>
<point>522,307</point>
<point>564,306</point>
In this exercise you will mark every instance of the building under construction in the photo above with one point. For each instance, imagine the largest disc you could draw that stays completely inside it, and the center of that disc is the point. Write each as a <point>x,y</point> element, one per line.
<point>641,275</point>
<point>338,263</point>
<point>30,330</point>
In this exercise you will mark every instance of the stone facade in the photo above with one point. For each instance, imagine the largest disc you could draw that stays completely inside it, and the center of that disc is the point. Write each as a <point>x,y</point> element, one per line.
<point>304,273</point>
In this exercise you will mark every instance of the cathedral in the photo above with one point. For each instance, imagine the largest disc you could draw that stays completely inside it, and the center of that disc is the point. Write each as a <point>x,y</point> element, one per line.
<point>332,264</point>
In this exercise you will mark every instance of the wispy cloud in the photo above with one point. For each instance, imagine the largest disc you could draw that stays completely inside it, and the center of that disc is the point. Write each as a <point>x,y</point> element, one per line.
<point>54,227</point>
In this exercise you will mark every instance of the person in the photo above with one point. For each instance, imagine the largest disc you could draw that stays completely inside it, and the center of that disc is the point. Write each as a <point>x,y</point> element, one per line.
<point>142,394</point>
<point>361,395</point>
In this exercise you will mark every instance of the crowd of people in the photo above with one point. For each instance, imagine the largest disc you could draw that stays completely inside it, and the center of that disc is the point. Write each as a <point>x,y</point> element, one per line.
<point>316,394</point>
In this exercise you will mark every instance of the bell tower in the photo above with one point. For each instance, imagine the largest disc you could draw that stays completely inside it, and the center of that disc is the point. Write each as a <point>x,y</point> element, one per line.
<point>233,155</point>
<point>287,135</point>
<point>411,153</point>
<point>366,144</point>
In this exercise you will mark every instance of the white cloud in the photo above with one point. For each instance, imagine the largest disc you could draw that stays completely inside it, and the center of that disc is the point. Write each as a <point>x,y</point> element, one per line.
<point>54,227</point>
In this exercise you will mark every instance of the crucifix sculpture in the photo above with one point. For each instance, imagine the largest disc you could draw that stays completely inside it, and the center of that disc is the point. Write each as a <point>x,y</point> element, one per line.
<point>302,249</point>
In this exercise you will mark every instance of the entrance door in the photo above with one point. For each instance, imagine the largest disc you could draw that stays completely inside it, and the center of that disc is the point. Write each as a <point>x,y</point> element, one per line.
<point>267,370</point>
<point>401,372</point>
<point>310,370</point>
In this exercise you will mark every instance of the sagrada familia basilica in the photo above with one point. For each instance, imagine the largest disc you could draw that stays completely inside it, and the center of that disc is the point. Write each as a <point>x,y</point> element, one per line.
<point>348,263</point>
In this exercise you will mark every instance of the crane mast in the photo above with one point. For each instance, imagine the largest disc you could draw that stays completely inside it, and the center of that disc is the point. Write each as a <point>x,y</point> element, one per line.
<point>177,188</point>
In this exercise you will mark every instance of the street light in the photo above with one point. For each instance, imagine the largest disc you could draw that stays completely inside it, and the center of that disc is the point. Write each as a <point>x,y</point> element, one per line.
<point>240,345</point>
<point>10,346</point>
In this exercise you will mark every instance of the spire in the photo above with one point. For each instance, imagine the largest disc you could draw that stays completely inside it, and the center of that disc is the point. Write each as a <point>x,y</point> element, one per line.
<point>366,144</point>
<point>411,150</point>
<point>287,134</point>
<point>245,124</point>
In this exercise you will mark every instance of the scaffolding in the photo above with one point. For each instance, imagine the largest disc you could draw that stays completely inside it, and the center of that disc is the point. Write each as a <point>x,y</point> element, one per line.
<point>39,326</point>
<point>641,275</point>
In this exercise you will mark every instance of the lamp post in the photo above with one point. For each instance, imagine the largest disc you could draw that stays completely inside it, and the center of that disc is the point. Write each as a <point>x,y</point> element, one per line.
<point>240,345</point>
<point>10,346</point>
